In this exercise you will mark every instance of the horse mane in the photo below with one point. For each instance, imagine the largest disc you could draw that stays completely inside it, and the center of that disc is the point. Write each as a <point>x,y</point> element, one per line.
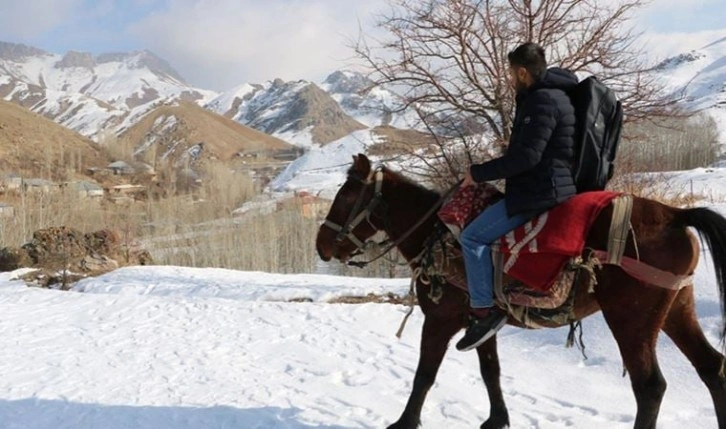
<point>396,179</point>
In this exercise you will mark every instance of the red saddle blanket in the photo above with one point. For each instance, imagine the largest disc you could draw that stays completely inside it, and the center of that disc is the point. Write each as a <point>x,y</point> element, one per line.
<point>536,252</point>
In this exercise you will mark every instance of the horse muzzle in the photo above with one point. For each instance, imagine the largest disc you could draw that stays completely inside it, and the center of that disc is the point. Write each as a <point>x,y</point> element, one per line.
<point>323,244</point>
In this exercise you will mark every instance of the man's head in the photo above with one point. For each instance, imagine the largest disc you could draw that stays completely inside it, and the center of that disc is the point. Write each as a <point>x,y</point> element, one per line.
<point>527,65</point>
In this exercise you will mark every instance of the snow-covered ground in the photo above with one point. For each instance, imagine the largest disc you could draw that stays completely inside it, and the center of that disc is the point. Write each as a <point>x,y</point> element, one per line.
<point>179,348</point>
<point>707,184</point>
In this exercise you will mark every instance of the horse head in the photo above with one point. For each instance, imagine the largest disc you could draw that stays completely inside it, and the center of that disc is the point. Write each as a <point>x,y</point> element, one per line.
<point>356,213</point>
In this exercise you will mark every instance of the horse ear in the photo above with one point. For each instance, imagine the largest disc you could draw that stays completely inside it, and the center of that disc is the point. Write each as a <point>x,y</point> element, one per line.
<point>361,166</point>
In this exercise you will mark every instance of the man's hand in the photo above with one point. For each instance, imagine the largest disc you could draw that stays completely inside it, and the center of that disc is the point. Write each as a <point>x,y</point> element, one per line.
<point>468,180</point>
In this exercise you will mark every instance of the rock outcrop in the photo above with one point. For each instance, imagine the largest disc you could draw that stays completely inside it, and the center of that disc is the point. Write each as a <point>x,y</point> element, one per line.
<point>64,255</point>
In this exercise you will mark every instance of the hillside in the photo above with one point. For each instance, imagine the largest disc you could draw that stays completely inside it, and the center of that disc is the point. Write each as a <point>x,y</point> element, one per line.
<point>33,146</point>
<point>698,77</point>
<point>185,130</point>
<point>369,105</point>
<point>322,170</point>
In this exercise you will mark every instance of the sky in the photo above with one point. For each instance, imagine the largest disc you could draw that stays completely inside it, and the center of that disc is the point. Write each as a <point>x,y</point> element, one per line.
<point>219,44</point>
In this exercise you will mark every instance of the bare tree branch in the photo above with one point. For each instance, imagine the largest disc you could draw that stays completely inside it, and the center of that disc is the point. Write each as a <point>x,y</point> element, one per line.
<point>449,59</point>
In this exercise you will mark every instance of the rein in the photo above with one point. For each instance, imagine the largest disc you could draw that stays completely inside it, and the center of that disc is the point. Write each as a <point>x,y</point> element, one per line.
<point>404,236</point>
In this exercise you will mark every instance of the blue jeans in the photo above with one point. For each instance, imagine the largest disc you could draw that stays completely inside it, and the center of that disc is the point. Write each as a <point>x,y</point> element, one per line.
<point>475,240</point>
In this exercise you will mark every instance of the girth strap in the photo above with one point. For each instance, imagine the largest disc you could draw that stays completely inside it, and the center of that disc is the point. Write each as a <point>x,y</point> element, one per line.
<point>619,228</point>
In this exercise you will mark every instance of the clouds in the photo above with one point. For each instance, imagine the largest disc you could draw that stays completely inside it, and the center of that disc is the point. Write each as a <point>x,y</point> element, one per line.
<point>221,43</point>
<point>23,20</point>
<point>218,44</point>
<point>684,15</point>
<point>663,45</point>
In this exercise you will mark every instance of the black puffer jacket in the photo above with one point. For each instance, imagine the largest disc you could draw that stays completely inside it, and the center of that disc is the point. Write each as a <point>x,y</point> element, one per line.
<point>538,161</point>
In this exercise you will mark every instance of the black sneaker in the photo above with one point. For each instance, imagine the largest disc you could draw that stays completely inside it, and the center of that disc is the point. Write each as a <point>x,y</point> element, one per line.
<point>481,329</point>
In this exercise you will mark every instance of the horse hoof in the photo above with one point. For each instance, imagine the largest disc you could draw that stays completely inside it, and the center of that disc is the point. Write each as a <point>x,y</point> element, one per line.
<point>495,423</point>
<point>403,425</point>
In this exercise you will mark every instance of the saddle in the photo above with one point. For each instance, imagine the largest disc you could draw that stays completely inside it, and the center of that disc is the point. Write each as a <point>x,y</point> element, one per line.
<point>537,264</point>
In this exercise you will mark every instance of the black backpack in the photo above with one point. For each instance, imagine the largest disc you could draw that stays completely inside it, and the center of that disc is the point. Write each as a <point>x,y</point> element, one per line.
<point>599,122</point>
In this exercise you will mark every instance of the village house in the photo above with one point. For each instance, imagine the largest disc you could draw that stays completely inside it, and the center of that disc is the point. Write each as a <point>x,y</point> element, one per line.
<point>39,186</point>
<point>6,210</point>
<point>127,189</point>
<point>313,207</point>
<point>85,188</point>
<point>121,168</point>
<point>96,171</point>
<point>310,206</point>
<point>126,194</point>
<point>11,182</point>
<point>288,154</point>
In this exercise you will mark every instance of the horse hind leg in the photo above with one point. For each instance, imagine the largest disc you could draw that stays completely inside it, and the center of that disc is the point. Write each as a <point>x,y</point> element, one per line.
<point>682,327</point>
<point>635,324</point>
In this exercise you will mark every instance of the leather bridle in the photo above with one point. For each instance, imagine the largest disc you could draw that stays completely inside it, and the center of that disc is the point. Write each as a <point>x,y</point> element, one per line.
<point>357,215</point>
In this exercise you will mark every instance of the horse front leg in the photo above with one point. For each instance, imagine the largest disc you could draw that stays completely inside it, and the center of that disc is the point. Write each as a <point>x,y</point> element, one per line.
<point>434,341</point>
<point>490,372</point>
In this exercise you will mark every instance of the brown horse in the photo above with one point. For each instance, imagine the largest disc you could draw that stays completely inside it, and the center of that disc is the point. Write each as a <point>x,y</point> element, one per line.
<point>635,312</point>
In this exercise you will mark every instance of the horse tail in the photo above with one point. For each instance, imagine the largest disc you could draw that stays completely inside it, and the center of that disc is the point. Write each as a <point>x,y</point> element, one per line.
<point>712,228</point>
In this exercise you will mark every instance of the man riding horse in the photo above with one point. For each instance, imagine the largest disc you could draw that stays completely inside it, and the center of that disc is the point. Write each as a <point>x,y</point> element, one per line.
<point>537,167</point>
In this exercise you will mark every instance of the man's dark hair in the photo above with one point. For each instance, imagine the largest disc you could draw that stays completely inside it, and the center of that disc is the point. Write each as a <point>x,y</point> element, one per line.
<point>531,56</point>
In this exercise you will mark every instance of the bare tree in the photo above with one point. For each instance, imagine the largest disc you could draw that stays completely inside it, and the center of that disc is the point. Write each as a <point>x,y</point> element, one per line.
<point>448,58</point>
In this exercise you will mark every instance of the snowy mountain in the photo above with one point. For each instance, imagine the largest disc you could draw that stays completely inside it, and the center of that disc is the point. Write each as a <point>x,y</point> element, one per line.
<point>699,76</point>
<point>322,170</point>
<point>306,113</point>
<point>299,112</point>
<point>89,93</point>
<point>111,93</point>
<point>372,106</point>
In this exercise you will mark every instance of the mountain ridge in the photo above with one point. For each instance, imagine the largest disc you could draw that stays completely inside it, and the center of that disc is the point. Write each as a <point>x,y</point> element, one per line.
<point>114,91</point>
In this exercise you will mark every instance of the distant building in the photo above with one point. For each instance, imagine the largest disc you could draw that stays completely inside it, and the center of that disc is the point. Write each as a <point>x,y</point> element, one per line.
<point>39,185</point>
<point>11,182</point>
<point>309,206</point>
<point>288,154</point>
<point>314,207</point>
<point>86,188</point>
<point>250,155</point>
<point>96,171</point>
<point>128,189</point>
<point>121,168</point>
<point>6,210</point>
